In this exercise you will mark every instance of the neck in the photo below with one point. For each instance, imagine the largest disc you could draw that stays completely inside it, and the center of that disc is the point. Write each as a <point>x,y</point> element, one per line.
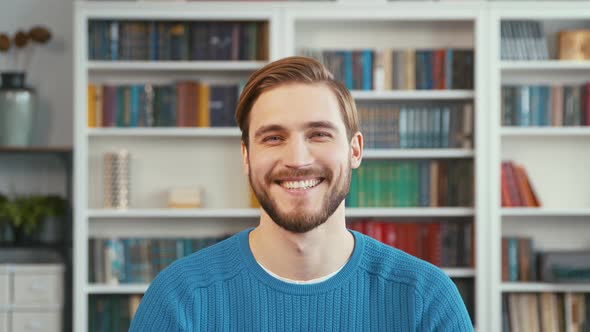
<point>306,256</point>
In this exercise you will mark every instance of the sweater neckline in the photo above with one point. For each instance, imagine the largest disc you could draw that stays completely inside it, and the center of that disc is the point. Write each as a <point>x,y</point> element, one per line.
<point>301,289</point>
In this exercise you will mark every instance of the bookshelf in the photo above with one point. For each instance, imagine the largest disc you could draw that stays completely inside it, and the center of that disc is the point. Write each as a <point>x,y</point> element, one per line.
<point>552,156</point>
<point>162,158</point>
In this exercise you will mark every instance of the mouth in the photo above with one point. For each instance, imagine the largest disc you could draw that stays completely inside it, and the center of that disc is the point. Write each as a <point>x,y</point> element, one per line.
<point>300,185</point>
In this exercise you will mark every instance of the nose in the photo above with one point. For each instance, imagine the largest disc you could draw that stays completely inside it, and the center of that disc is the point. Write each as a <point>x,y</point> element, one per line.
<point>297,153</point>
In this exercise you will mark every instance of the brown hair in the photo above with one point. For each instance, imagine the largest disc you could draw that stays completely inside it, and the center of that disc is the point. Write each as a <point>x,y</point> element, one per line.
<point>295,69</point>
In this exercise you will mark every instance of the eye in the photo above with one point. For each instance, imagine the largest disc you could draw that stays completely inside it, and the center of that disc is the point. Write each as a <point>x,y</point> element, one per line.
<point>320,134</point>
<point>272,139</point>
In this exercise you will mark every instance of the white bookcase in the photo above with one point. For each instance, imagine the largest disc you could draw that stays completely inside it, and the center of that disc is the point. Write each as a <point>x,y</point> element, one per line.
<point>162,158</point>
<point>556,158</point>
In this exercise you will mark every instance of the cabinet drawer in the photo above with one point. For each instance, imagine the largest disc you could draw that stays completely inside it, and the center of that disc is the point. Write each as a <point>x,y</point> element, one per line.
<point>4,290</point>
<point>38,289</point>
<point>3,321</point>
<point>36,321</point>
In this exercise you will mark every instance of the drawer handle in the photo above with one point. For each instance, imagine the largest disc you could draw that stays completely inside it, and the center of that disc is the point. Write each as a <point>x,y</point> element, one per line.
<point>37,286</point>
<point>34,325</point>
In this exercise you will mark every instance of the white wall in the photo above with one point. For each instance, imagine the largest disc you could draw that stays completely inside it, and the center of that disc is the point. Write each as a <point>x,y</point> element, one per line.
<point>51,70</point>
<point>50,73</point>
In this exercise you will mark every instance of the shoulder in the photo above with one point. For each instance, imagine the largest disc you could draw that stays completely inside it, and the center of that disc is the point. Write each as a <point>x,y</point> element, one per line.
<point>396,266</point>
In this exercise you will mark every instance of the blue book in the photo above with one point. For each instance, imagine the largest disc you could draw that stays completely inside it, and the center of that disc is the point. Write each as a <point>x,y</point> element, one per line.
<point>445,126</point>
<point>104,41</point>
<point>428,55</point>
<point>114,40</point>
<point>348,70</point>
<point>134,105</point>
<point>449,69</point>
<point>513,259</point>
<point>424,178</point>
<point>523,106</point>
<point>367,57</point>
<point>534,102</point>
<point>437,128</point>
<point>545,105</point>
<point>153,38</point>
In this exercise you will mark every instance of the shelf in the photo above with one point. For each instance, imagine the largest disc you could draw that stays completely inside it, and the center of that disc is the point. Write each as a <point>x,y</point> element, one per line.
<point>521,287</point>
<point>117,289</point>
<point>153,66</point>
<point>544,212</point>
<point>36,149</point>
<point>544,65</point>
<point>414,94</point>
<point>545,131</point>
<point>459,272</point>
<point>418,153</point>
<point>254,213</point>
<point>165,132</point>
<point>174,213</point>
<point>141,288</point>
<point>30,307</point>
<point>410,212</point>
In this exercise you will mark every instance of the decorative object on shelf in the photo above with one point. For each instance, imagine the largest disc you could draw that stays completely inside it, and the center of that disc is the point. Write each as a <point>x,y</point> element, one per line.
<point>574,44</point>
<point>18,103</point>
<point>116,179</point>
<point>32,218</point>
<point>18,107</point>
<point>185,198</point>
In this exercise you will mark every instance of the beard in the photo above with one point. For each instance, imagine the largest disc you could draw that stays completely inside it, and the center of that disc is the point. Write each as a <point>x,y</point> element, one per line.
<point>300,221</point>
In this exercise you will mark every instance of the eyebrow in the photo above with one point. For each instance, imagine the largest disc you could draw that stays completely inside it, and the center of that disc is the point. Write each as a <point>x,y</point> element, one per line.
<point>313,124</point>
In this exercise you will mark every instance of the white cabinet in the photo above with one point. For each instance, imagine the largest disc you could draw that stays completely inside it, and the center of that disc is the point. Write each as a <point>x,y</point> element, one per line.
<point>4,290</point>
<point>45,321</point>
<point>31,297</point>
<point>3,321</point>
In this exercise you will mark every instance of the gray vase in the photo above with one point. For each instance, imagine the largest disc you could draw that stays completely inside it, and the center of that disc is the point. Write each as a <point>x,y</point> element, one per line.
<point>18,105</point>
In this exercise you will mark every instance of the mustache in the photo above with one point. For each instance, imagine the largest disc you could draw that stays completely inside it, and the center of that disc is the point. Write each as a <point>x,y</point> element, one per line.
<point>303,172</point>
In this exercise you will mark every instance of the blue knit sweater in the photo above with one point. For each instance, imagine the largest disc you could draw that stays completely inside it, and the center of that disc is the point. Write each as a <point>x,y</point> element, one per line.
<point>222,288</point>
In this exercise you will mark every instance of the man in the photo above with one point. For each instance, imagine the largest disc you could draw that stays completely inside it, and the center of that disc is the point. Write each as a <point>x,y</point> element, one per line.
<point>300,269</point>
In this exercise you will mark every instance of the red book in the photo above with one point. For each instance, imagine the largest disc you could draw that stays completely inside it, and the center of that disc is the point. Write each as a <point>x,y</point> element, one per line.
<point>358,225</point>
<point>506,201</point>
<point>374,229</point>
<point>438,69</point>
<point>391,234</point>
<point>413,237</point>
<point>515,196</point>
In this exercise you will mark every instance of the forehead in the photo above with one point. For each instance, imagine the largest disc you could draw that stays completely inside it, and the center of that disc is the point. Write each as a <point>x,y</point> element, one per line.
<point>295,104</point>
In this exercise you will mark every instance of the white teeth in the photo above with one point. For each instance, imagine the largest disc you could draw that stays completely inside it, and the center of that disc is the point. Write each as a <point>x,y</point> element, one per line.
<point>300,185</point>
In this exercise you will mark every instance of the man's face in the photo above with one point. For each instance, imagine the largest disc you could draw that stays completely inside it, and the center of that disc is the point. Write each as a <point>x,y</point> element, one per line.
<point>299,159</point>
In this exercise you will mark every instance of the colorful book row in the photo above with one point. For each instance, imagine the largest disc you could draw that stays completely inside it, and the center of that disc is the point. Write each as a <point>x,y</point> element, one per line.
<point>111,313</point>
<point>546,312</point>
<point>137,260</point>
<point>442,243</point>
<point>517,189</point>
<point>427,126</point>
<point>409,183</point>
<point>543,105</point>
<point>523,40</point>
<point>182,104</point>
<point>167,40</point>
<point>408,69</point>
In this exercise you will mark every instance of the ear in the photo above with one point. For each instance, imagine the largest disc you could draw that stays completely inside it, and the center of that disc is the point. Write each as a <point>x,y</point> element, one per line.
<point>356,150</point>
<point>245,163</point>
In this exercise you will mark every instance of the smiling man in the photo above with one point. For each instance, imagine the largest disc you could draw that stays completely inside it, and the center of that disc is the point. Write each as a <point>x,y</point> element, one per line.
<point>300,269</point>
